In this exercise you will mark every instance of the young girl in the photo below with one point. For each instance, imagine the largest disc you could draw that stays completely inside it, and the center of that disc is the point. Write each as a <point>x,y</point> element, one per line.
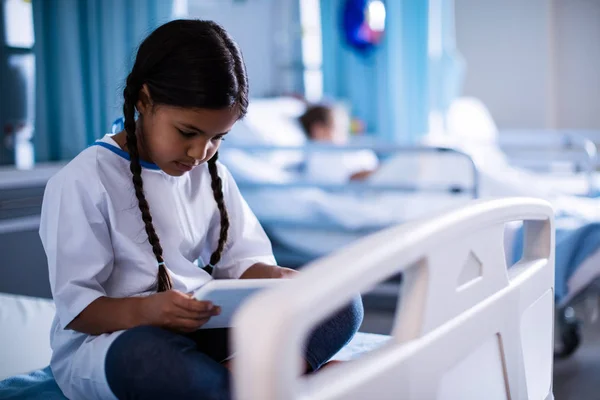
<point>125,223</point>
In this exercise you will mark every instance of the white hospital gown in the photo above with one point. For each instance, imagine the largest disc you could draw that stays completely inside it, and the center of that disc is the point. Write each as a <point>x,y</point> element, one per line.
<point>336,167</point>
<point>96,244</point>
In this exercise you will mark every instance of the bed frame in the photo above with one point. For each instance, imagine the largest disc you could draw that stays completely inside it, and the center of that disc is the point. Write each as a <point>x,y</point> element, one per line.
<point>466,328</point>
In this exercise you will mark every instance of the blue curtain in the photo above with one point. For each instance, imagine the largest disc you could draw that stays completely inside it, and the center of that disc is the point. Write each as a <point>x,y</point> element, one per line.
<point>407,71</point>
<point>84,50</point>
<point>388,88</point>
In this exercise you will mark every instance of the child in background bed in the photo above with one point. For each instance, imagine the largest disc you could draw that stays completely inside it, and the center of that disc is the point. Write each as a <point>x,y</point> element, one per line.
<point>330,125</point>
<point>124,223</point>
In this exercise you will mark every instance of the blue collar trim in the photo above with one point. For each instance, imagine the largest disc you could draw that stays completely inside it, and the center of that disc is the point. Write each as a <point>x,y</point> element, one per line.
<point>125,155</point>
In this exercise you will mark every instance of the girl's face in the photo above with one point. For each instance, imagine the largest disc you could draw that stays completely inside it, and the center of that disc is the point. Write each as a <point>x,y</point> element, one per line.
<point>178,139</point>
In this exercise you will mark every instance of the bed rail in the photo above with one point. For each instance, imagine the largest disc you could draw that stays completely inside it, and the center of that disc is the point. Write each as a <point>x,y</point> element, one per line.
<point>466,327</point>
<point>473,189</point>
<point>541,148</point>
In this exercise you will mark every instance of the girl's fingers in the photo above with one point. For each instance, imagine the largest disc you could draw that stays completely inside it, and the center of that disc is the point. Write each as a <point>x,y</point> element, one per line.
<point>187,314</point>
<point>194,305</point>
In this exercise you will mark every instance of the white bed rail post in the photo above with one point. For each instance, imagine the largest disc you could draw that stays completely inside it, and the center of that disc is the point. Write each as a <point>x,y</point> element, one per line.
<point>458,295</point>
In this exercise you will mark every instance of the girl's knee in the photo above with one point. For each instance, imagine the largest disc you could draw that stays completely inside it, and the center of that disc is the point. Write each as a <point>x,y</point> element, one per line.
<point>133,361</point>
<point>352,315</point>
<point>334,333</point>
<point>220,386</point>
<point>154,363</point>
<point>347,321</point>
<point>139,343</point>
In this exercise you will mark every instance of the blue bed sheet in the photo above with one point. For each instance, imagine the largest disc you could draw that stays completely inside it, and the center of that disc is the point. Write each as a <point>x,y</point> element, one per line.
<point>40,384</point>
<point>576,240</point>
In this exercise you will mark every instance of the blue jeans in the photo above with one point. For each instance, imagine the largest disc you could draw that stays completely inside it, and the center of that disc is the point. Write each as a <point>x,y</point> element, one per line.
<point>153,363</point>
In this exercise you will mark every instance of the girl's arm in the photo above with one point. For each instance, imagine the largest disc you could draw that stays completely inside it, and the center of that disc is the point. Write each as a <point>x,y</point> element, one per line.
<point>105,315</point>
<point>266,271</point>
<point>171,310</point>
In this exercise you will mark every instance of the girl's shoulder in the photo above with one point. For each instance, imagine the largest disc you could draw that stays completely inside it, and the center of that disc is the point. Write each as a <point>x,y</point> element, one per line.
<point>81,171</point>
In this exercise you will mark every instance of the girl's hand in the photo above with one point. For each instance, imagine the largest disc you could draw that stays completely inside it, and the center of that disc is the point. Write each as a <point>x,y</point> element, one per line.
<point>177,311</point>
<point>287,273</point>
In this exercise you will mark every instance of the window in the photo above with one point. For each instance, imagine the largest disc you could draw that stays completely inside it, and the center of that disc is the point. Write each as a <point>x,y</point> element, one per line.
<point>18,23</point>
<point>17,78</point>
<point>312,49</point>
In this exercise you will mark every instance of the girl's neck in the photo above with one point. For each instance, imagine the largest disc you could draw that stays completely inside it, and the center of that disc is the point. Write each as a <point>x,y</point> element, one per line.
<point>121,139</point>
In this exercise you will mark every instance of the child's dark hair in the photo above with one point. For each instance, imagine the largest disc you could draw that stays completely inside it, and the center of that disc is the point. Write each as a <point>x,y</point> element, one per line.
<point>316,114</point>
<point>189,64</point>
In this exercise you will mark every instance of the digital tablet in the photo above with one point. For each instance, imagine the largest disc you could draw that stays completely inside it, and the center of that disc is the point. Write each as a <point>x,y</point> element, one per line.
<point>229,294</point>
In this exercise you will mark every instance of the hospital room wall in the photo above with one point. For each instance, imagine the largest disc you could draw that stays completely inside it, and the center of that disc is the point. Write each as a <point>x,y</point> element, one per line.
<point>577,62</point>
<point>268,32</point>
<point>533,63</point>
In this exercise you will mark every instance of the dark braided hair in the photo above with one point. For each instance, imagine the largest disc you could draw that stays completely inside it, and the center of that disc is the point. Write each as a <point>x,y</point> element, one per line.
<point>217,187</point>
<point>188,64</point>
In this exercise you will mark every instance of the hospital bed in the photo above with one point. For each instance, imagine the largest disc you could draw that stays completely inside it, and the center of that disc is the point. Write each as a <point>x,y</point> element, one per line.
<point>462,309</point>
<point>306,221</point>
<point>456,278</point>
<point>383,151</point>
<point>559,163</point>
<point>539,149</point>
<point>471,131</point>
<point>564,159</point>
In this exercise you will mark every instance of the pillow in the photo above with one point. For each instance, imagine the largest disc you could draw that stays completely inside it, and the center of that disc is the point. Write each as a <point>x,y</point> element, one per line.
<point>275,121</point>
<point>25,333</point>
<point>468,119</point>
<point>272,122</point>
<point>245,167</point>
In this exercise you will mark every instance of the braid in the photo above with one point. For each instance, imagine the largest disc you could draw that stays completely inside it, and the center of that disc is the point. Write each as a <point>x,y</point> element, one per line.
<point>217,187</point>
<point>163,280</point>
<point>241,79</point>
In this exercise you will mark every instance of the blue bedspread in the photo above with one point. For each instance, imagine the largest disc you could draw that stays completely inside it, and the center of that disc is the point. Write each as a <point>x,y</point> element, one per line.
<point>576,240</point>
<point>40,384</point>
